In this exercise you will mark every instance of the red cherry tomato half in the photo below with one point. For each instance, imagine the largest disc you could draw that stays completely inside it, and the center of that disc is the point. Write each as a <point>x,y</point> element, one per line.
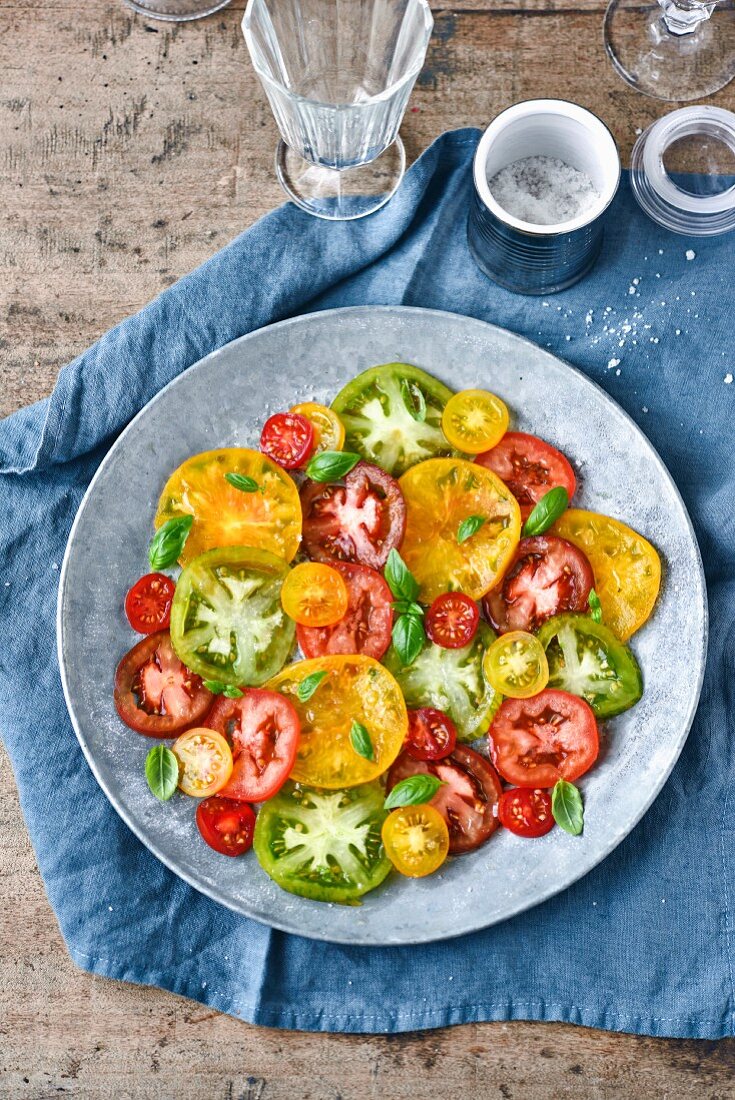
<point>546,577</point>
<point>526,811</point>
<point>263,731</point>
<point>431,734</point>
<point>468,798</point>
<point>529,467</point>
<point>360,520</point>
<point>287,438</point>
<point>366,626</point>
<point>535,742</point>
<point>452,620</point>
<point>226,825</point>
<point>148,603</point>
<point>155,693</point>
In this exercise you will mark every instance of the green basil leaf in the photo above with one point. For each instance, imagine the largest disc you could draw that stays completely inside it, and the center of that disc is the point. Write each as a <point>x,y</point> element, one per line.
<point>232,692</point>
<point>162,772</point>
<point>308,686</point>
<point>331,465</point>
<point>409,638</point>
<point>408,607</point>
<point>413,791</point>
<point>242,482</point>
<point>546,512</point>
<point>168,542</point>
<point>413,399</point>
<point>401,580</point>
<point>217,687</point>
<point>468,527</point>
<point>566,806</point>
<point>360,740</point>
<point>595,607</point>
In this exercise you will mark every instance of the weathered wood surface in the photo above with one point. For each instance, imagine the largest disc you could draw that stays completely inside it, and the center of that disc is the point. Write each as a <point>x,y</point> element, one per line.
<point>131,150</point>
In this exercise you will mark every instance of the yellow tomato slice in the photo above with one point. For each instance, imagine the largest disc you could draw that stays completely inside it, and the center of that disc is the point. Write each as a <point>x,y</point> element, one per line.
<point>267,519</point>
<point>516,665</point>
<point>329,432</point>
<point>354,689</point>
<point>314,595</point>
<point>474,421</point>
<point>627,568</point>
<point>416,840</point>
<point>205,762</point>
<point>440,495</point>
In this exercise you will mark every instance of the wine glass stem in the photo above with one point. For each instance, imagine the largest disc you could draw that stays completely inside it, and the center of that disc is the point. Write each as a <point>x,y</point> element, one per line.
<point>684,16</point>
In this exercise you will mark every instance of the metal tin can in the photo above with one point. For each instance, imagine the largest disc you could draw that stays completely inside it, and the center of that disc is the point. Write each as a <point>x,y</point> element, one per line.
<point>541,259</point>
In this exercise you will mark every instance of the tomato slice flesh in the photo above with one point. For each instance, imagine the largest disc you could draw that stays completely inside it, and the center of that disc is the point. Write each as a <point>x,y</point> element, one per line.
<point>226,825</point>
<point>536,742</point>
<point>148,603</point>
<point>529,467</point>
<point>546,577</point>
<point>432,735</point>
<point>452,620</point>
<point>263,730</point>
<point>366,625</point>
<point>526,811</point>
<point>288,439</point>
<point>155,693</point>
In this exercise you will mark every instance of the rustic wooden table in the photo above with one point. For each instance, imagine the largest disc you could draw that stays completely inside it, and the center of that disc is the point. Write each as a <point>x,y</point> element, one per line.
<point>131,151</point>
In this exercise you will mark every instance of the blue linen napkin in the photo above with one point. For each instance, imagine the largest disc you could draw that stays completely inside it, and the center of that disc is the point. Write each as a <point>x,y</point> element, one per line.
<point>644,942</point>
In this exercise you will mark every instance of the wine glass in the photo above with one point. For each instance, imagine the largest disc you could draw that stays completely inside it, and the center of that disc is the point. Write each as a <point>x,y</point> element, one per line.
<point>176,11</point>
<point>674,49</point>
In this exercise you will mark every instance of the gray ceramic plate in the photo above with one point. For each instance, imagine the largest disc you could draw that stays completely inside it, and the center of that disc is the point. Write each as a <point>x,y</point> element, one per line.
<point>221,402</point>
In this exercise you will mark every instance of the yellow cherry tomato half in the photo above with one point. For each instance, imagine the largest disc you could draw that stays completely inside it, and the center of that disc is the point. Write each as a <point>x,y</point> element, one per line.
<point>314,595</point>
<point>416,840</point>
<point>329,431</point>
<point>516,665</point>
<point>205,762</point>
<point>474,421</point>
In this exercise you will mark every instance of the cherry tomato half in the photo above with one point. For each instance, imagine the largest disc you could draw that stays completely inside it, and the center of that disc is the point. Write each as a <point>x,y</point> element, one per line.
<point>516,665</point>
<point>431,734</point>
<point>148,603</point>
<point>536,742</point>
<point>205,762</point>
<point>226,825</point>
<point>155,693</point>
<point>529,467</point>
<point>526,811</point>
<point>314,594</point>
<point>288,439</point>
<point>452,620</point>
<point>416,840</point>
<point>474,420</point>
<point>329,432</point>
<point>263,729</point>
<point>546,577</point>
<point>366,625</point>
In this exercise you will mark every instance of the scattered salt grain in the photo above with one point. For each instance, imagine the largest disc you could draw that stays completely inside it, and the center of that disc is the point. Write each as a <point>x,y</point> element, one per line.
<point>638,131</point>
<point>645,408</point>
<point>660,251</point>
<point>690,253</point>
<point>728,379</point>
<point>613,363</point>
<point>678,332</point>
<point>543,190</point>
<point>618,373</point>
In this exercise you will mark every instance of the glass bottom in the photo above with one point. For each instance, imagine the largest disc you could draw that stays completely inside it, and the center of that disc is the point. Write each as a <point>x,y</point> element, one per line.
<point>674,67</point>
<point>177,11</point>
<point>340,195</point>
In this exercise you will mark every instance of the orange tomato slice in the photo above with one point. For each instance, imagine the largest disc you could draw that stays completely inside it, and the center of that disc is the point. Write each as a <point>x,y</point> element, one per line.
<point>474,421</point>
<point>416,840</point>
<point>314,595</point>
<point>329,431</point>
<point>205,762</point>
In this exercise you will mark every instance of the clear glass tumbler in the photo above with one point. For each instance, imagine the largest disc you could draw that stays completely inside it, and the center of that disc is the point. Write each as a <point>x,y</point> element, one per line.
<point>176,11</point>
<point>338,75</point>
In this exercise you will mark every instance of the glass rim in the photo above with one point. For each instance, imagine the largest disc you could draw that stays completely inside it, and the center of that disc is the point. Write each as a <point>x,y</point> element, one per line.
<point>387,92</point>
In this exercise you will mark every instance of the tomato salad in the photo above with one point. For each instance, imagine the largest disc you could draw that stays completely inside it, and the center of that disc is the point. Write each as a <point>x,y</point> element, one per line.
<point>380,637</point>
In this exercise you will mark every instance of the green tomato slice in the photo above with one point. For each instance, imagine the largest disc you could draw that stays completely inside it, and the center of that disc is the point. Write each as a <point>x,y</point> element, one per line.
<point>452,680</point>
<point>324,845</point>
<point>227,622</point>
<point>586,659</point>
<point>392,416</point>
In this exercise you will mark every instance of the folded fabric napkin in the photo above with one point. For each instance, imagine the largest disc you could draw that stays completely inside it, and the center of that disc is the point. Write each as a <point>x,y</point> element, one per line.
<point>644,942</point>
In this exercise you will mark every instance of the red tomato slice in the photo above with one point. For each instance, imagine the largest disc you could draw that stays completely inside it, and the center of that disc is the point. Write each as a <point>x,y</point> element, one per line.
<point>287,438</point>
<point>468,799</point>
<point>526,811</point>
<point>546,577</point>
<point>226,825</point>
<point>366,626</point>
<point>155,693</point>
<point>358,521</point>
<point>263,730</point>
<point>452,620</point>
<point>535,742</point>
<point>148,603</point>
<point>529,467</point>
<point>432,735</point>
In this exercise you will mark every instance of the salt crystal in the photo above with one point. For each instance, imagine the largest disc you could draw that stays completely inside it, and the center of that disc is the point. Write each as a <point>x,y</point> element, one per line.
<point>588,318</point>
<point>638,131</point>
<point>660,251</point>
<point>612,363</point>
<point>690,253</point>
<point>567,337</point>
<point>678,332</point>
<point>728,379</point>
<point>543,190</point>
<point>617,372</point>
<point>645,408</point>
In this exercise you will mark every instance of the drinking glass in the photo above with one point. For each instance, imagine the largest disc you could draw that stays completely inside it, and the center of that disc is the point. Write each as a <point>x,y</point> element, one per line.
<point>338,75</point>
<point>176,11</point>
<point>673,49</point>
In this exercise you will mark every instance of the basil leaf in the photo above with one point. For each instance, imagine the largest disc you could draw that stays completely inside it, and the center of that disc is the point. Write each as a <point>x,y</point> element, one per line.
<point>217,687</point>
<point>232,692</point>
<point>408,638</point>
<point>468,527</point>
<point>162,772</point>
<point>360,740</point>
<point>547,511</point>
<point>308,686</point>
<point>595,607</point>
<point>413,399</point>
<point>242,482</point>
<point>168,542</point>
<point>401,580</point>
<point>566,806</point>
<point>413,791</point>
<point>331,465</point>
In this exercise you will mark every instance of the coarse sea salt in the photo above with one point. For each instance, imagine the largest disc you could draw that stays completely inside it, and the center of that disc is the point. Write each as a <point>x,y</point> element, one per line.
<point>543,190</point>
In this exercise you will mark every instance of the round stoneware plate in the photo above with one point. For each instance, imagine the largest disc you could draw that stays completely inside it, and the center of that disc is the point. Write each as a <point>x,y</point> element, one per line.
<point>222,402</point>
